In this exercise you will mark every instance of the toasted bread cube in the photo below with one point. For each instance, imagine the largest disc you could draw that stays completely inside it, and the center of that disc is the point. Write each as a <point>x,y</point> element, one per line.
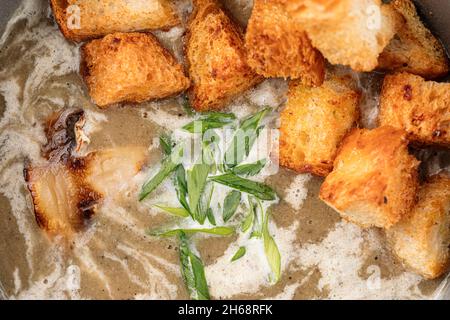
<point>61,201</point>
<point>314,123</point>
<point>347,32</point>
<point>374,180</point>
<point>277,46</point>
<point>81,20</point>
<point>130,67</point>
<point>420,107</point>
<point>414,49</point>
<point>422,239</point>
<point>65,193</point>
<point>216,56</point>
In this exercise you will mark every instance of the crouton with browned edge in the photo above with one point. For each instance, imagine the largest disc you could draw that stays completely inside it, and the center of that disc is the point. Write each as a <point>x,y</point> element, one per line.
<point>414,49</point>
<point>314,123</point>
<point>374,180</point>
<point>216,57</point>
<point>347,32</point>
<point>278,46</point>
<point>420,107</point>
<point>421,241</point>
<point>81,20</point>
<point>130,67</point>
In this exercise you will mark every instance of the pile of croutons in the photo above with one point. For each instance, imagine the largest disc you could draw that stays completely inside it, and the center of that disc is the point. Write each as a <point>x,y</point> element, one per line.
<point>371,178</point>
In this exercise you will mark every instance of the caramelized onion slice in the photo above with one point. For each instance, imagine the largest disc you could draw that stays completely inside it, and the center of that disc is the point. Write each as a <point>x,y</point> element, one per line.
<point>62,202</point>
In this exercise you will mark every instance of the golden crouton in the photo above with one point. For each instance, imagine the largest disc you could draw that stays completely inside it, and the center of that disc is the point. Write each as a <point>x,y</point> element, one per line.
<point>420,107</point>
<point>130,67</point>
<point>315,121</point>
<point>414,49</point>
<point>216,56</point>
<point>277,46</point>
<point>80,20</point>
<point>348,32</point>
<point>62,202</point>
<point>65,194</point>
<point>422,239</point>
<point>374,180</point>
